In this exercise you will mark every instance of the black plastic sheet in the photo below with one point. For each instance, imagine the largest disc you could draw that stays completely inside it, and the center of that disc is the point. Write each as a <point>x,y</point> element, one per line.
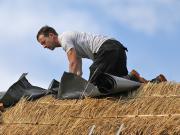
<point>54,88</point>
<point>73,86</point>
<point>70,87</point>
<point>21,88</point>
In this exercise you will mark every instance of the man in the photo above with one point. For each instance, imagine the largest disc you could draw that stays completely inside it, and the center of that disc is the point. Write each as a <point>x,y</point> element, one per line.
<point>108,54</point>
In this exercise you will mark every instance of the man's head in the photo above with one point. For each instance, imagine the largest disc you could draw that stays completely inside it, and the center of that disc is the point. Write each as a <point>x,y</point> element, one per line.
<point>48,37</point>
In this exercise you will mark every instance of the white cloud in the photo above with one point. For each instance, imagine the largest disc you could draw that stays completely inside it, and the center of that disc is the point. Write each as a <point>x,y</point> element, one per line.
<point>19,25</point>
<point>145,16</point>
<point>140,19</point>
<point>20,21</point>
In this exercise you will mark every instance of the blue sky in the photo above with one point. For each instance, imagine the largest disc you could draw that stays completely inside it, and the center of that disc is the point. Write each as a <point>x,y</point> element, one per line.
<point>149,29</point>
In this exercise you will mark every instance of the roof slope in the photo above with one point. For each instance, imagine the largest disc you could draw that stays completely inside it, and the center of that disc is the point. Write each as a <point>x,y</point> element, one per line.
<point>152,109</point>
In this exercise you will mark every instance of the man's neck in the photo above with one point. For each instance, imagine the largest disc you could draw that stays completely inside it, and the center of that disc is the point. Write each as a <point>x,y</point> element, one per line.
<point>58,44</point>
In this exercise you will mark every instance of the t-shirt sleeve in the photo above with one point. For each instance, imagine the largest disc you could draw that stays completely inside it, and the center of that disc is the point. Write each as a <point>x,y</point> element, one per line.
<point>67,42</point>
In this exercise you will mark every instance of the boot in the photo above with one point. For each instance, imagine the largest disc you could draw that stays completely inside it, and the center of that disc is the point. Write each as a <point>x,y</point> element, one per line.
<point>134,76</point>
<point>159,78</point>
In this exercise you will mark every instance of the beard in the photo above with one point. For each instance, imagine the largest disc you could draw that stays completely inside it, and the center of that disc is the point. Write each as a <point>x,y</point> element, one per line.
<point>53,46</point>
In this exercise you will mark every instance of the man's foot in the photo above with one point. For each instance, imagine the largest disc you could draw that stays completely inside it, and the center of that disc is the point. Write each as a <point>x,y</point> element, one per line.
<point>159,78</point>
<point>134,75</point>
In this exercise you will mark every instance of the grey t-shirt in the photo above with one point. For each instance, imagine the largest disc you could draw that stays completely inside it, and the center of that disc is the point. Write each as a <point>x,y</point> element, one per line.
<point>85,44</point>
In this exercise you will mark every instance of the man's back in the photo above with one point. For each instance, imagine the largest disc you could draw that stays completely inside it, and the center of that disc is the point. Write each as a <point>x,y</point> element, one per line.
<point>85,44</point>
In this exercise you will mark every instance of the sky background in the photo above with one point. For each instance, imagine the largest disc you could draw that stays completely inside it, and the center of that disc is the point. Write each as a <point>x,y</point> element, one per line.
<point>150,30</point>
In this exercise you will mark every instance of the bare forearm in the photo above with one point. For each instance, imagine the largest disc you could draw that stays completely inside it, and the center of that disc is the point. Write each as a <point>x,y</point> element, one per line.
<point>75,63</point>
<point>73,67</point>
<point>79,71</point>
<point>76,67</point>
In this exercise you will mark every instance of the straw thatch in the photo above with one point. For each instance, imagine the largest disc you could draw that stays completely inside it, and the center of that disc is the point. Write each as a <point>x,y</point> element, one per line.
<point>152,109</point>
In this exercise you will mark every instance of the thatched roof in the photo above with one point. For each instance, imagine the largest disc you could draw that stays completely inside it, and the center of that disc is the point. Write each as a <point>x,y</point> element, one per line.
<point>153,109</point>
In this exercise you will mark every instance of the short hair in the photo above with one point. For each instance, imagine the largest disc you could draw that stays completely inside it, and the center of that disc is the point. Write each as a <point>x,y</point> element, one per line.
<point>45,30</point>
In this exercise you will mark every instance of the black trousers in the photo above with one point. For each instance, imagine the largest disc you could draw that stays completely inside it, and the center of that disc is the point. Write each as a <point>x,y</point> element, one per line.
<point>111,58</point>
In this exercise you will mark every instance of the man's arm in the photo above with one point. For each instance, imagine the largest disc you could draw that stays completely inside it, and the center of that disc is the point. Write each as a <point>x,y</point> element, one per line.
<point>75,63</point>
<point>79,72</point>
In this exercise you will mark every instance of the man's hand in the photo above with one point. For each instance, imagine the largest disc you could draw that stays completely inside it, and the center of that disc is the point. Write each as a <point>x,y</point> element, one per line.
<point>75,63</point>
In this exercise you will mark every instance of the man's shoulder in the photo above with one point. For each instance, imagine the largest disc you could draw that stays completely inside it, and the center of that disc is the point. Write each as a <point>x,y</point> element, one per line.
<point>68,33</point>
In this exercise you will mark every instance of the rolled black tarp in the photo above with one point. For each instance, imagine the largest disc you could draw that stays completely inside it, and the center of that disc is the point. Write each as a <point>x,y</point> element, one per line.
<point>73,86</point>
<point>110,84</point>
<point>21,88</point>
